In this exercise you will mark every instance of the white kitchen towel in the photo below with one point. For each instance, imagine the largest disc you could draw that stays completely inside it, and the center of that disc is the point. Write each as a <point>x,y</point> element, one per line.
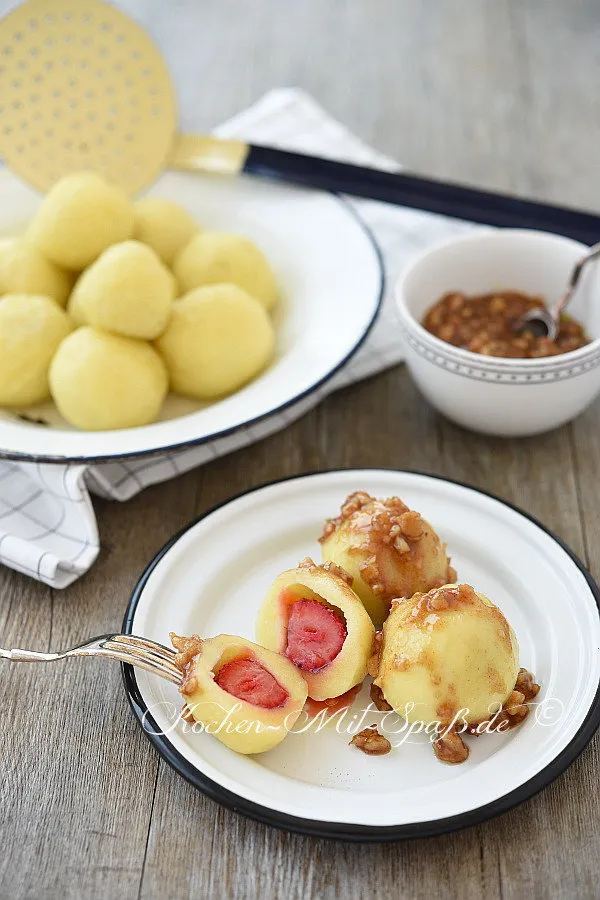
<point>48,528</point>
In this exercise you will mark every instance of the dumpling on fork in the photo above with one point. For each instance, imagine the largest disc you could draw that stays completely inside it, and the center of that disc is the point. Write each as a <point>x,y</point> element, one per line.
<point>244,695</point>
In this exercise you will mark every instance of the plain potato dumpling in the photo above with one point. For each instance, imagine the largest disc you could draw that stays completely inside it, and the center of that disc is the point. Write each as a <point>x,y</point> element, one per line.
<point>75,310</point>
<point>165,226</point>
<point>213,257</point>
<point>127,291</point>
<point>102,381</point>
<point>31,329</point>
<point>24,270</point>
<point>79,217</point>
<point>218,338</point>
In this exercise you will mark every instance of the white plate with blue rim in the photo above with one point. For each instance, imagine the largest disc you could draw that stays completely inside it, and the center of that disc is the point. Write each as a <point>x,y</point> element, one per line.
<point>212,577</point>
<point>331,277</point>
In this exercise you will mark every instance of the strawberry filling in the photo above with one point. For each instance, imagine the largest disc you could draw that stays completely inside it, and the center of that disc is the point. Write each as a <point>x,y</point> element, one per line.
<point>247,680</point>
<point>333,704</point>
<point>315,635</point>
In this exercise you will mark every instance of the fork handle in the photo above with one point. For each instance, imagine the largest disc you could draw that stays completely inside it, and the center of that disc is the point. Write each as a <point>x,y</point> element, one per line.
<point>110,650</point>
<point>17,655</point>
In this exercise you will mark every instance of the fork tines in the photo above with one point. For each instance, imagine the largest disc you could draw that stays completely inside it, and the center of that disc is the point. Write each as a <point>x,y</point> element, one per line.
<point>148,654</point>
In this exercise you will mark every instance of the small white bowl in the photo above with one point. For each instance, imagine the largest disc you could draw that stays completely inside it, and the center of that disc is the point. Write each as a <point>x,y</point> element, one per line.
<point>505,397</point>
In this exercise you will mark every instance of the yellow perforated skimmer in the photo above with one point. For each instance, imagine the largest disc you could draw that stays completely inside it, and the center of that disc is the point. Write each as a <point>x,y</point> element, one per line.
<point>82,86</point>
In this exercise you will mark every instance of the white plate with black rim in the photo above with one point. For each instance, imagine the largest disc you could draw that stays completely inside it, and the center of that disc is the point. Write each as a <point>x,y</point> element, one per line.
<point>331,277</point>
<point>212,577</point>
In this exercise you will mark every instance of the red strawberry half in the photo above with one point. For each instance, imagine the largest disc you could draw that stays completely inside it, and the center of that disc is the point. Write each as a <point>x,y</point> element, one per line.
<point>247,680</point>
<point>315,635</point>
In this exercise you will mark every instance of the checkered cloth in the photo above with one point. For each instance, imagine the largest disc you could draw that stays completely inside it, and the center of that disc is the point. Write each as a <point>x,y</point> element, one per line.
<point>48,528</point>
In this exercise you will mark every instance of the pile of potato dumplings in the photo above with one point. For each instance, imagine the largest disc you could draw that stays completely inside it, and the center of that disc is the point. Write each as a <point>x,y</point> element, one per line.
<point>106,304</point>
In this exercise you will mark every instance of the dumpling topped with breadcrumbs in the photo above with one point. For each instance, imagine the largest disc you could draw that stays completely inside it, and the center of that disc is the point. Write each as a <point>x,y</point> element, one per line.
<point>388,549</point>
<point>446,651</point>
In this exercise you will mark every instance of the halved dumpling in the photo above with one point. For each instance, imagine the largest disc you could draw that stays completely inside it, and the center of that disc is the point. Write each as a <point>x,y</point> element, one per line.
<point>388,549</point>
<point>246,696</point>
<point>312,616</point>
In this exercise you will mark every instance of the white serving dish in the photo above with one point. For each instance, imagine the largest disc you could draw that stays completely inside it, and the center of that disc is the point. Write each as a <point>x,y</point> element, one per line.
<point>212,578</point>
<point>505,397</point>
<point>331,278</point>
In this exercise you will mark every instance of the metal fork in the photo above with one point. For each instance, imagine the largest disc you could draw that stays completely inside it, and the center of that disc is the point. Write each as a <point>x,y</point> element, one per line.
<point>127,648</point>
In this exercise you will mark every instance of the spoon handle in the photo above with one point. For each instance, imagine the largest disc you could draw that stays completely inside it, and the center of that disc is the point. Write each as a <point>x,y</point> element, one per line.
<point>593,253</point>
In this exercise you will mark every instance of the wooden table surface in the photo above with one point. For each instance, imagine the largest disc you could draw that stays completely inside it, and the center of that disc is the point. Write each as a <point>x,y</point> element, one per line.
<point>503,94</point>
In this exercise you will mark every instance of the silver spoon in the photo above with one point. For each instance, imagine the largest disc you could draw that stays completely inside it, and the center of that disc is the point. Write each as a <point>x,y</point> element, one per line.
<point>543,322</point>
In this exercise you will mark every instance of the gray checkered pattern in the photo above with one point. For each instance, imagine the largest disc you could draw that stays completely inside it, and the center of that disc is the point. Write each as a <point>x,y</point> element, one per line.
<point>47,525</point>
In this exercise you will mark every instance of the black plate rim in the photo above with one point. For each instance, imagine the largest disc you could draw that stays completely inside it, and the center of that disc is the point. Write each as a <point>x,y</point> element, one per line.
<point>226,432</point>
<point>340,830</point>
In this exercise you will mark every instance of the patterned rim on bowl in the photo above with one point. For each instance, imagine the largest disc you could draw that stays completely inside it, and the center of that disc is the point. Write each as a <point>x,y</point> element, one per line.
<point>486,368</point>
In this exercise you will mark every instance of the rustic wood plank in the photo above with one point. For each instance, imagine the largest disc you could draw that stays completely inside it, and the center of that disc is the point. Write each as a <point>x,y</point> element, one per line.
<point>586,452</point>
<point>499,94</point>
<point>77,793</point>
